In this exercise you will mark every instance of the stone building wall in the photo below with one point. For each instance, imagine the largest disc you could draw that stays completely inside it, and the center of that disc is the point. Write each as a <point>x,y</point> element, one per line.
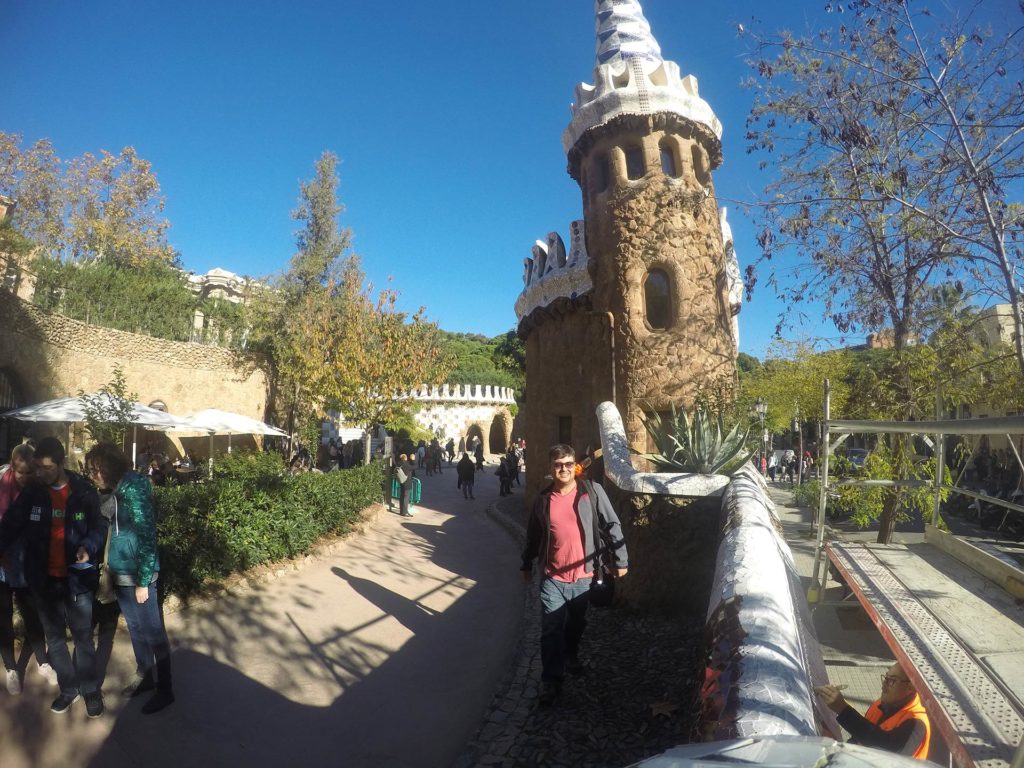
<point>47,355</point>
<point>568,367</point>
<point>671,224</point>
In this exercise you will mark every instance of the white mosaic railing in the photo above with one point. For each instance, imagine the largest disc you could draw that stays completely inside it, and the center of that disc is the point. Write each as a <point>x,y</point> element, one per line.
<point>618,464</point>
<point>764,658</point>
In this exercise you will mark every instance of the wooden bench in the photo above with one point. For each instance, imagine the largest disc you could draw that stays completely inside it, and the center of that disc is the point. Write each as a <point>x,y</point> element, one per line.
<point>963,650</point>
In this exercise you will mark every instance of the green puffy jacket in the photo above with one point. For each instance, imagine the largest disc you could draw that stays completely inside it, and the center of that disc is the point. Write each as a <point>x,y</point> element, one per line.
<point>133,557</point>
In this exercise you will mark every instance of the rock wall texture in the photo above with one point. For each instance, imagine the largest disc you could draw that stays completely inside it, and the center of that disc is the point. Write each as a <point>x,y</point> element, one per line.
<point>670,224</point>
<point>47,355</point>
<point>672,541</point>
<point>568,371</point>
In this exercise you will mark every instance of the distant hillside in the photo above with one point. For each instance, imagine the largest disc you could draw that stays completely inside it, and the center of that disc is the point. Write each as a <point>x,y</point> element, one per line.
<point>481,360</point>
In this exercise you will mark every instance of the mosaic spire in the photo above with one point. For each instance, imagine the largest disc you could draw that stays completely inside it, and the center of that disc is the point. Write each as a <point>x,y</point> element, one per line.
<point>632,78</point>
<point>623,32</point>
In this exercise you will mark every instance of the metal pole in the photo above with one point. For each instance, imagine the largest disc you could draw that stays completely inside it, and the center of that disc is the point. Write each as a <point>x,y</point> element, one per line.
<point>800,442</point>
<point>940,458</point>
<point>814,592</point>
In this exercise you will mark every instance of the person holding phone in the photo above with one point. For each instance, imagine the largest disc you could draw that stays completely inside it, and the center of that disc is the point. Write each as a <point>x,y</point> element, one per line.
<point>64,532</point>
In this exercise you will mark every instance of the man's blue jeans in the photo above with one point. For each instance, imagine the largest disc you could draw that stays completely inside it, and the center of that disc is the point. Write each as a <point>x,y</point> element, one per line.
<point>59,611</point>
<point>145,627</point>
<point>563,619</point>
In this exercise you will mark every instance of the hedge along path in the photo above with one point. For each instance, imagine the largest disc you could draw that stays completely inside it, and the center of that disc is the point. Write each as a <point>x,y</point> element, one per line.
<point>384,649</point>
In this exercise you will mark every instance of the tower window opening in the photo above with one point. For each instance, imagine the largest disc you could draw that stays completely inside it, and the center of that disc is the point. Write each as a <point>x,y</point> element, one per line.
<point>565,430</point>
<point>635,167</point>
<point>658,300</point>
<point>600,173</point>
<point>669,162</point>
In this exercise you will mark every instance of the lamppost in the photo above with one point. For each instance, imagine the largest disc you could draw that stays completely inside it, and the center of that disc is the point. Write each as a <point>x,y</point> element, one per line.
<point>798,428</point>
<point>761,407</point>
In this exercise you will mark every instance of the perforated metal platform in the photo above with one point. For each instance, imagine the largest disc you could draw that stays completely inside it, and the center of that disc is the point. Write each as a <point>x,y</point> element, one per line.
<point>967,704</point>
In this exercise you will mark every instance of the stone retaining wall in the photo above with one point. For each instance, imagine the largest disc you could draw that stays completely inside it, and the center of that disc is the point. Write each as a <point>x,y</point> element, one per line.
<point>48,355</point>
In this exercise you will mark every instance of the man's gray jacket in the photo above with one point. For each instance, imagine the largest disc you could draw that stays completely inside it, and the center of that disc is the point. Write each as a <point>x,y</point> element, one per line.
<point>539,527</point>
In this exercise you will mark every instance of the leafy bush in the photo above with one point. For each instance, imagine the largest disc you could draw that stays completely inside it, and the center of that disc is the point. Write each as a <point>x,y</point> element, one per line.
<point>699,446</point>
<point>251,513</point>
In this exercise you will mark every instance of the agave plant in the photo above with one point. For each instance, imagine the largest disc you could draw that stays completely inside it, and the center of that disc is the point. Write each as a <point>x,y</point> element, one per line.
<point>695,446</point>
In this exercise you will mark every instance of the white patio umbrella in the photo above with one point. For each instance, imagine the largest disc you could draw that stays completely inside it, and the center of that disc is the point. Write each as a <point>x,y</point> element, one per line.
<point>71,409</point>
<point>218,422</point>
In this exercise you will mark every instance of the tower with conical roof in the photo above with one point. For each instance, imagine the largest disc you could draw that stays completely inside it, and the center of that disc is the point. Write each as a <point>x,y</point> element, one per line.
<point>639,308</point>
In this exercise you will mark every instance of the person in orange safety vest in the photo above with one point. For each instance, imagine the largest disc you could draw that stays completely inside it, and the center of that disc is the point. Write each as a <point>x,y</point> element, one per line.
<point>896,721</point>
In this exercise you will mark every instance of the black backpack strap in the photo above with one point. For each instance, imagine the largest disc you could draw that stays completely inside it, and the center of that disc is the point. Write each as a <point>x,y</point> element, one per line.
<point>595,504</point>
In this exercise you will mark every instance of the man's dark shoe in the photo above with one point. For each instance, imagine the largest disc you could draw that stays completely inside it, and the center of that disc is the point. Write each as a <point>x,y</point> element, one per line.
<point>549,693</point>
<point>139,684</point>
<point>63,703</point>
<point>94,704</point>
<point>159,700</point>
<point>573,665</point>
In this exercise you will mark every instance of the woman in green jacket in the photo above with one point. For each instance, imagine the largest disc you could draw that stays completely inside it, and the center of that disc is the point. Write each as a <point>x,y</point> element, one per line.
<point>134,566</point>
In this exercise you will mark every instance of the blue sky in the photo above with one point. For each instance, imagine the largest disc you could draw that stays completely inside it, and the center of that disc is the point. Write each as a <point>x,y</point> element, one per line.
<point>447,117</point>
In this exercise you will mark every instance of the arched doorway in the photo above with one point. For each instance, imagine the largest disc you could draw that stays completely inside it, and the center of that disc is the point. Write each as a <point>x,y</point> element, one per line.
<point>474,431</point>
<point>500,432</point>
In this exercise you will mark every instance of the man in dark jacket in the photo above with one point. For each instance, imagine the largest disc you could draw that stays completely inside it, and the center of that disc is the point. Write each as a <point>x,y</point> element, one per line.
<point>467,475</point>
<point>560,533</point>
<point>64,532</point>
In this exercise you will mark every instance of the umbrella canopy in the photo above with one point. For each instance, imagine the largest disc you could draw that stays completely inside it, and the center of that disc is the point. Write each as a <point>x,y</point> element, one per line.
<point>226,423</point>
<point>69,409</point>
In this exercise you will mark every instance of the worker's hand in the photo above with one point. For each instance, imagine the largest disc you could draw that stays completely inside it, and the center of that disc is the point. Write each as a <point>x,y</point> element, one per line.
<point>833,698</point>
<point>82,555</point>
<point>620,572</point>
<point>141,595</point>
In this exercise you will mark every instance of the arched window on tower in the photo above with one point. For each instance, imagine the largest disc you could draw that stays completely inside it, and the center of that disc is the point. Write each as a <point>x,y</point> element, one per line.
<point>635,166</point>
<point>658,300</point>
<point>599,174</point>
<point>669,161</point>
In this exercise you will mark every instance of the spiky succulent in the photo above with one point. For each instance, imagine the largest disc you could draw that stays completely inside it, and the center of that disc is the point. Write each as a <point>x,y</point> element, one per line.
<point>695,446</point>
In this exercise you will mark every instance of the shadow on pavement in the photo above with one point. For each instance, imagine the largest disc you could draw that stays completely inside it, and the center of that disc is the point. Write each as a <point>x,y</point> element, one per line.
<point>384,654</point>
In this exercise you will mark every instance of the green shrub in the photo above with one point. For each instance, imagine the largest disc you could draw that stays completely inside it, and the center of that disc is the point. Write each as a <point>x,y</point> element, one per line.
<point>250,514</point>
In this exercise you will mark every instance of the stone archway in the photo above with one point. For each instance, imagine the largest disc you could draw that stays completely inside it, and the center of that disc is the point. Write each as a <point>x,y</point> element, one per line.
<point>474,430</point>
<point>500,434</point>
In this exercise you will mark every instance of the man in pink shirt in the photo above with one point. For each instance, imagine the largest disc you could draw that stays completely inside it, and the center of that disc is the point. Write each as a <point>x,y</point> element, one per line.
<point>560,534</point>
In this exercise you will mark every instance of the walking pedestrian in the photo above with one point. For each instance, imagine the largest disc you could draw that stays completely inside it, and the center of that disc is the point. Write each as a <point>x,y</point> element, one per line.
<point>560,532</point>
<point>135,566</point>
<point>467,475</point>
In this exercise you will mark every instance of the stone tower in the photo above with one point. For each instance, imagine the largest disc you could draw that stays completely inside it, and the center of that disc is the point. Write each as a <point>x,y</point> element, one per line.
<point>640,310</point>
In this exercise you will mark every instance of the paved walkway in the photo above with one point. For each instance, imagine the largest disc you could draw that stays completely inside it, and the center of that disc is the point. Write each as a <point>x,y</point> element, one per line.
<point>384,652</point>
<point>854,651</point>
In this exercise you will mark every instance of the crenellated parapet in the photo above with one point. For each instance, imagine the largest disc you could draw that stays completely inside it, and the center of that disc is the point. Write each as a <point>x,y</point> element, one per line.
<point>632,78</point>
<point>551,273</point>
<point>461,393</point>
